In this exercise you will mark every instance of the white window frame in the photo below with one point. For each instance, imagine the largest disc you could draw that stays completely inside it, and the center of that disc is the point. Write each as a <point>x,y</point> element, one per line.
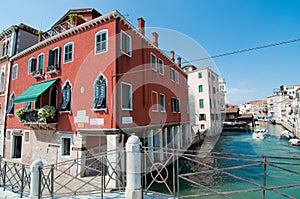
<point>162,110</point>
<point>72,58</point>
<point>154,106</point>
<point>62,146</point>
<point>155,64</point>
<point>131,101</point>
<point>95,43</point>
<point>130,43</point>
<point>29,63</point>
<point>28,137</point>
<point>161,67</point>
<point>15,72</point>
<point>38,61</point>
<point>8,135</point>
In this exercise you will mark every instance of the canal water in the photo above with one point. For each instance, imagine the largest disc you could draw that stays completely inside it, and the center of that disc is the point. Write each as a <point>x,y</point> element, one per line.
<point>243,143</point>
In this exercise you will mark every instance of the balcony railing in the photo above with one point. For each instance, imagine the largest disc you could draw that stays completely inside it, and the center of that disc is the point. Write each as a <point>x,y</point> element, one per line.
<point>53,69</point>
<point>31,118</point>
<point>37,74</point>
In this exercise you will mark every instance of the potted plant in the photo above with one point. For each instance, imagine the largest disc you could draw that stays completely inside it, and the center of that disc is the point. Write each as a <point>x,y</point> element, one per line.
<point>21,113</point>
<point>46,113</point>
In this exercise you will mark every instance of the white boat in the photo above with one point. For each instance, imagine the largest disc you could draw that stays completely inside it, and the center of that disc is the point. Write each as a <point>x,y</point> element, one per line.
<point>286,135</point>
<point>295,142</point>
<point>260,133</point>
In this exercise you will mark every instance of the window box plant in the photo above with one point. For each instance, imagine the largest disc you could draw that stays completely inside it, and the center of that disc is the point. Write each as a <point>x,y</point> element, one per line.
<point>46,113</point>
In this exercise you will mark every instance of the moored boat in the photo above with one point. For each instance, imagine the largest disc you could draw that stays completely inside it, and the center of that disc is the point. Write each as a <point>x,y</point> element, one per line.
<point>295,142</point>
<point>286,135</point>
<point>260,133</point>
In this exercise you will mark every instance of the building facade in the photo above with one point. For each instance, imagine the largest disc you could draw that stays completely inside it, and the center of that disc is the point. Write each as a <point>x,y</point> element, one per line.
<point>92,81</point>
<point>204,100</point>
<point>12,41</point>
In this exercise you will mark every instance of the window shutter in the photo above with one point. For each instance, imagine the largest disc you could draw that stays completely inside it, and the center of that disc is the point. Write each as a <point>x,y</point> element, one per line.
<point>100,95</point>
<point>50,58</point>
<point>66,98</point>
<point>58,57</point>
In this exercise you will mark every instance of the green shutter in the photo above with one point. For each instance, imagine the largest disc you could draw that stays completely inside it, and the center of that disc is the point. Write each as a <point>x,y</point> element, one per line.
<point>199,75</point>
<point>50,58</point>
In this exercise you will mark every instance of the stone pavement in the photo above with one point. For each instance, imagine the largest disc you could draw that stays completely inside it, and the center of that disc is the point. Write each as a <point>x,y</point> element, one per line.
<point>10,195</point>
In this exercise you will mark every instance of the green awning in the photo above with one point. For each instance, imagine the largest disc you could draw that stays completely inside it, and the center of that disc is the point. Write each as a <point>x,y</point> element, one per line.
<point>33,92</point>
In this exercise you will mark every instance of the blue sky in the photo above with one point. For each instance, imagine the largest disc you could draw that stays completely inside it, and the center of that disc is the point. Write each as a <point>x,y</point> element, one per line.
<point>215,26</point>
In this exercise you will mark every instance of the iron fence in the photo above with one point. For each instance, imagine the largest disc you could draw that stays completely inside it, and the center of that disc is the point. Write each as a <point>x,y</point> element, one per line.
<point>166,173</point>
<point>15,177</point>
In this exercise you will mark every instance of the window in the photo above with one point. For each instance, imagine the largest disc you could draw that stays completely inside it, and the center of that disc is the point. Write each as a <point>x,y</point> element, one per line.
<point>40,62</point>
<point>202,117</point>
<point>200,88</point>
<point>8,135</point>
<point>165,137</point>
<point>199,75</point>
<point>212,117</point>
<point>100,93</point>
<point>66,146</point>
<point>202,126</point>
<point>54,59</point>
<point>153,62</point>
<point>214,90</point>
<point>101,43</point>
<point>154,97</point>
<point>186,70</point>
<point>174,75</point>
<point>161,67</point>
<point>162,103</point>
<point>10,109</point>
<point>68,52</point>
<point>213,78</point>
<point>126,44</point>
<point>208,74</point>
<point>126,96</point>
<point>2,81</point>
<point>31,65</point>
<point>66,97</point>
<point>175,105</point>
<point>15,72</point>
<point>26,136</point>
<point>201,103</point>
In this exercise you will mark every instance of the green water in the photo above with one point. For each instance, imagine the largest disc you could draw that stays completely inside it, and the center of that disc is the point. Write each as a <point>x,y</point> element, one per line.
<point>243,143</point>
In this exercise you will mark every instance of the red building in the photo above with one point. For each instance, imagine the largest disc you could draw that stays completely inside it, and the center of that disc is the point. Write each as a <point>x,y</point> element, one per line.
<point>90,82</point>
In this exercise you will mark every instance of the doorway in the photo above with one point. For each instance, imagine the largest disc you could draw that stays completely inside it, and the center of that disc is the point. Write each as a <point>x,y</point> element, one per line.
<point>17,147</point>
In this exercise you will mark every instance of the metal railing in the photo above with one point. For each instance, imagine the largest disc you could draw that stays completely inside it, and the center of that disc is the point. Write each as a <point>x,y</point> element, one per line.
<point>166,173</point>
<point>15,177</point>
<point>222,175</point>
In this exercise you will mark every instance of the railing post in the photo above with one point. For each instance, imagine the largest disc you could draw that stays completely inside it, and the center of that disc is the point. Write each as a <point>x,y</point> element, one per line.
<point>22,181</point>
<point>133,168</point>
<point>35,179</point>
<point>52,181</point>
<point>265,177</point>
<point>4,175</point>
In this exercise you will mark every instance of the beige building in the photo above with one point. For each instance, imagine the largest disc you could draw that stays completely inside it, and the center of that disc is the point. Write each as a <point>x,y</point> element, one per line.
<point>204,100</point>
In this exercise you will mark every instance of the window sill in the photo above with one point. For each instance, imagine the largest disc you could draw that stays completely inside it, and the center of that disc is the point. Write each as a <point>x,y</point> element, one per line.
<point>128,55</point>
<point>61,112</point>
<point>126,109</point>
<point>10,115</point>
<point>100,109</point>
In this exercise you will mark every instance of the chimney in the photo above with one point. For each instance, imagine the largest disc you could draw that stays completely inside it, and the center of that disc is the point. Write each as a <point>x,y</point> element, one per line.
<point>179,62</point>
<point>155,39</point>
<point>141,25</point>
<point>172,55</point>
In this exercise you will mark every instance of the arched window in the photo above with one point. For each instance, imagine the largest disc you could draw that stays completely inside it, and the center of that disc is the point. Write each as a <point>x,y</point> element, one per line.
<point>66,97</point>
<point>100,92</point>
<point>10,109</point>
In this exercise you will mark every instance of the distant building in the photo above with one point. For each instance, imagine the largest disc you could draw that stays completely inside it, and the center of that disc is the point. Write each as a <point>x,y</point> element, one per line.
<point>258,108</point>
<point>223,93</point>
<point>204,97</point>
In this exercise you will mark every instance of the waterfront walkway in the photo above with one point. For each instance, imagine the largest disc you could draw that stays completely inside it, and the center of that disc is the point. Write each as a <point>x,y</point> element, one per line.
<point>11,195</point>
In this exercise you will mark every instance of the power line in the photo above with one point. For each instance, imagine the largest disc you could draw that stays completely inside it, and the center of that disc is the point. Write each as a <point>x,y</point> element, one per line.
<point>222,55</point>
<point>245,50</point>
